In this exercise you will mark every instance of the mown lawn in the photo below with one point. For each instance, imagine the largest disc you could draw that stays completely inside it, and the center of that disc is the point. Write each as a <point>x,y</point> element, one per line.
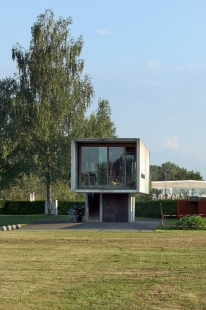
<point>102,270</point>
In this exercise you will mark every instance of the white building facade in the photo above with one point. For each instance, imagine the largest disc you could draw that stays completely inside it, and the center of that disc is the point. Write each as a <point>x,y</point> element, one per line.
<point>179,189</point>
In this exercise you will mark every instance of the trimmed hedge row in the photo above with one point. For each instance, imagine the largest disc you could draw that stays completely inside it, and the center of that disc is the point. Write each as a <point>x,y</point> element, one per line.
<point>152,208</point>
<point>35,207</point>
<point>23,207</point>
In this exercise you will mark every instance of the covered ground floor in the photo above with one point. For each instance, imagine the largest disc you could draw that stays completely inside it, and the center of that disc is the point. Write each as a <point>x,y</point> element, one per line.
<point>110,207</point>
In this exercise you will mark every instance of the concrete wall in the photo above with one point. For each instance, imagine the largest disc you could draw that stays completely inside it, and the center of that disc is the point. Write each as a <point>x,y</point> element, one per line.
<point>144,162</point>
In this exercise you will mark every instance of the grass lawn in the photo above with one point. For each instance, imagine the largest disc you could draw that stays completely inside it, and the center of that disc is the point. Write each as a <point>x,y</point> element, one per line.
<point>102,270</point>
<point>169,224</point>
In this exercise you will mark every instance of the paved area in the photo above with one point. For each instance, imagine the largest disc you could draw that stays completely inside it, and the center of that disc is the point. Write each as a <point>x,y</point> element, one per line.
<point>142,225</point>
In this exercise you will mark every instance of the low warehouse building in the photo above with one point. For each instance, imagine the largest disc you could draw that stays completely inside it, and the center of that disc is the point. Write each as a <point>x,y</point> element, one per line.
<point>179,189</point>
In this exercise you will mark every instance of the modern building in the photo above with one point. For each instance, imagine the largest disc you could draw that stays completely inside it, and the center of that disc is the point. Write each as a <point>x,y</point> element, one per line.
<point>179,189</point>
<point>110,172</point>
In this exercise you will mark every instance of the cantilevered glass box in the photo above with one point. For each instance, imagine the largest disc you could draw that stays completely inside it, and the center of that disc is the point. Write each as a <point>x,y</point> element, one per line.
<point>110,167</point>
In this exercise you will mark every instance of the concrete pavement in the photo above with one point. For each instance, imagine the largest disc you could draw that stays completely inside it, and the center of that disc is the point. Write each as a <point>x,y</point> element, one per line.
<point>141,225</point>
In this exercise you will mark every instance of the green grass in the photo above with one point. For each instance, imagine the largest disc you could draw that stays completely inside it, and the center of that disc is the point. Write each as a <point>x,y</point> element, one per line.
<point>102,270</point>
<point>169,224</point>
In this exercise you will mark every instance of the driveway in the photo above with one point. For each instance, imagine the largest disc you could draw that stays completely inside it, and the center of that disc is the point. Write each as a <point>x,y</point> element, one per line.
<point>142,225</point>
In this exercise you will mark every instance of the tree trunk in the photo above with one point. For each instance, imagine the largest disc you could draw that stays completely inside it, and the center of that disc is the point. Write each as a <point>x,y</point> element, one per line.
<point>49,195</point>
<point>48,182</point>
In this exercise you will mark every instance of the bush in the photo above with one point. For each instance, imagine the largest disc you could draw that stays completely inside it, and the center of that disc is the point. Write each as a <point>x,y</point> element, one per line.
<point>192,222</point>
<point>152,208</point>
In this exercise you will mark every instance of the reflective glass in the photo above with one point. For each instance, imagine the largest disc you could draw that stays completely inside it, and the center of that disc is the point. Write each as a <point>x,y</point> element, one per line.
<point>93,166</point>
<point>131,167</point>
<point>108,166</point>
<point>116,166</point>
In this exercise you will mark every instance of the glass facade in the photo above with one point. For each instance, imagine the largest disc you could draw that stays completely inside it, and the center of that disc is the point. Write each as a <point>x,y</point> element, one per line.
<point>107,166</point>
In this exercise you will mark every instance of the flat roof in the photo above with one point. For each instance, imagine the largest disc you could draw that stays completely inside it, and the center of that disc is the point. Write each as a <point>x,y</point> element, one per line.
<point>178,184</point>
<point>108,140</point>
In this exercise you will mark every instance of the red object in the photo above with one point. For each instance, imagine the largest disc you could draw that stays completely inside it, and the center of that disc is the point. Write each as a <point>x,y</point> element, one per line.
<point>191,207</point>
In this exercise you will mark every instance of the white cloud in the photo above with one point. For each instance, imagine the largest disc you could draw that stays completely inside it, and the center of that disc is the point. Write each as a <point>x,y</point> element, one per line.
<point>103,32</point>
<point>171,143</point>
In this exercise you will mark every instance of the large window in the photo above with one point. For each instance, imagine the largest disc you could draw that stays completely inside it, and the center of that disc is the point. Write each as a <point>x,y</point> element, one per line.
<point>107,166</point>
<point>116,166</point>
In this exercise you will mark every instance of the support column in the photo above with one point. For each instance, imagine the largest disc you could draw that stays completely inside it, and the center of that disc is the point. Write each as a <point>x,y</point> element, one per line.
<point>86,209</point>
<point>131,208</point>
<point>54,207</point>
<point>101,208</point>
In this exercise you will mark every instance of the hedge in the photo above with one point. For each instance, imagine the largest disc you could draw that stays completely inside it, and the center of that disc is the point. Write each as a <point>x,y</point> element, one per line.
<point>152,208</point>
<point>23,207</point>
<point>36,207</point>
<point>65,206</point>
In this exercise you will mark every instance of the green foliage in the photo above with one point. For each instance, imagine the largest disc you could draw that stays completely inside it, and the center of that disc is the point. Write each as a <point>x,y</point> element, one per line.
<point>173,173</point>
<point>99,124</point>
<point>192,222</point>
<point>36,207</point>
<point>65,206</point>
<point>152,208</point>
<point>21,189</point>
<point>43,107</point>
<point>23,207</point>
<point>48,107</point>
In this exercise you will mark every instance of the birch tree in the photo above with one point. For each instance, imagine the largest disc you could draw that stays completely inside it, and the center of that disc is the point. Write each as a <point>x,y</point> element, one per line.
<point>53,96</point>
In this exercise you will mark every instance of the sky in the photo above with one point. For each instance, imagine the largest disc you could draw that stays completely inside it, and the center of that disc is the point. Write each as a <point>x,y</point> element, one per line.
<point>146,57</point>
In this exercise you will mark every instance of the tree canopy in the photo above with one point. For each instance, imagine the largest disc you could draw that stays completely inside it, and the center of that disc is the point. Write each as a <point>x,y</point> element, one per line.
<point>43,107</point>
<point>99,123</point>
<point>172,172</point>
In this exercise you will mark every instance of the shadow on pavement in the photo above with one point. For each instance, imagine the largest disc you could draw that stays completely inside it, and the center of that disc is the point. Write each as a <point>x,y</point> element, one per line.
<point>143,225</point>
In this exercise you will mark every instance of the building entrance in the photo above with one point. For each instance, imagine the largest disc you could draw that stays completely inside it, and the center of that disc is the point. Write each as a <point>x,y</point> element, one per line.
<point>93,207</point>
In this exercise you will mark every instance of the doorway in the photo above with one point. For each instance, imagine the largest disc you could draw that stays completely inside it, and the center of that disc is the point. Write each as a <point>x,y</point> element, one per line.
<point>93,207</point>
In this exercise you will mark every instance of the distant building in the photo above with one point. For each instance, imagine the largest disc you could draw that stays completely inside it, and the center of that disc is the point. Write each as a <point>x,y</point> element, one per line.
<point>110,172</point>
<point>179,189</point>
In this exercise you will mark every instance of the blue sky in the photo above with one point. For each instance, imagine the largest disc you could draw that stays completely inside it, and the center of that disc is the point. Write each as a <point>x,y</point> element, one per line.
<point>147,57</point>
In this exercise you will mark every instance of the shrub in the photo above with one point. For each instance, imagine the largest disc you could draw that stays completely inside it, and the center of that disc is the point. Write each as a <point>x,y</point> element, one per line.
<point>193,222</point>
